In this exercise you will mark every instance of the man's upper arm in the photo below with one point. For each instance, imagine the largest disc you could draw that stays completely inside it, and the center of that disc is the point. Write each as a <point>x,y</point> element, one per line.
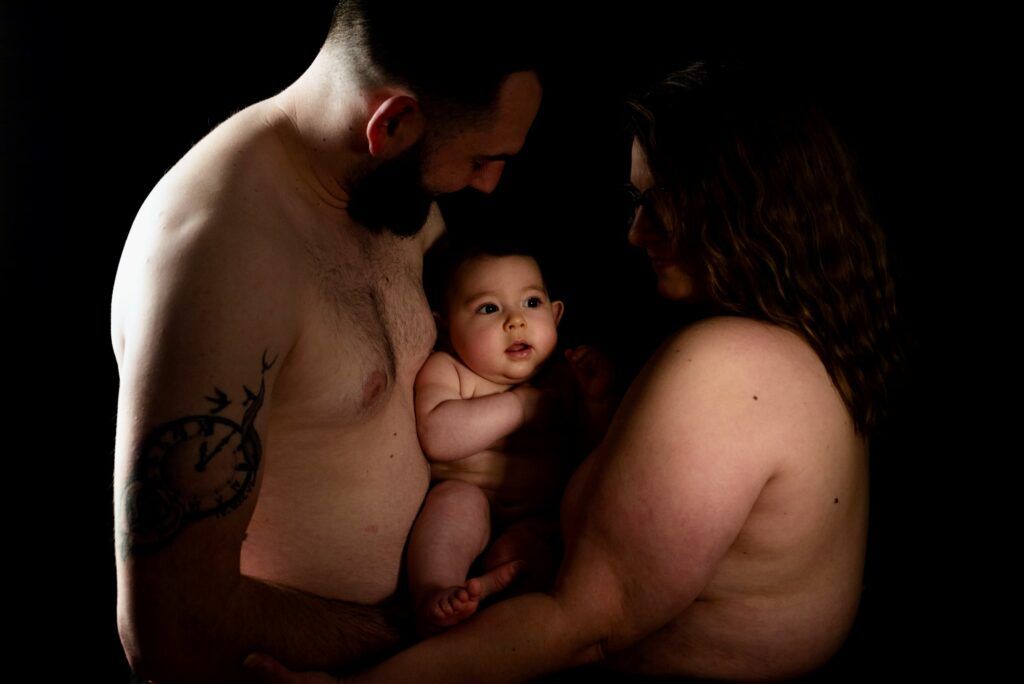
<point>683,463</point>
<point>207,319</point>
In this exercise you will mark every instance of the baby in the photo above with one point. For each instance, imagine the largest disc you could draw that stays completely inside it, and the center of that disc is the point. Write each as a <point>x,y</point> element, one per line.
<point>491,437</point>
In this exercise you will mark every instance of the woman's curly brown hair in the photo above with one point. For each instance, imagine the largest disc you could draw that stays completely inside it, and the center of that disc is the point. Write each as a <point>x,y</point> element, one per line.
<point>760,198</point>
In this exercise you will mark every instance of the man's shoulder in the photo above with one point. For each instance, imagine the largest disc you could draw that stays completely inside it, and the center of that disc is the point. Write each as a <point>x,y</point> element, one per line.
<point>220,200</point>
<point>233,169</point>
<point>201,230</point>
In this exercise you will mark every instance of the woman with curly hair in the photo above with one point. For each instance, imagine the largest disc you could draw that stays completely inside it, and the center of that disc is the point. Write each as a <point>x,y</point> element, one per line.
<point>719,530</point>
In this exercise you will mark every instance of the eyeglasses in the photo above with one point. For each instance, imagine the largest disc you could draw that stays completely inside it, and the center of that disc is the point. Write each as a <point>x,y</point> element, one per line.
<point>633,198</point>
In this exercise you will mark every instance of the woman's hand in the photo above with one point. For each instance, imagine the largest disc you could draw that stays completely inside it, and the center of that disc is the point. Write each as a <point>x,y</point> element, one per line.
<point>594,374</point>
<point>593,370</point>
<point>266,670</point>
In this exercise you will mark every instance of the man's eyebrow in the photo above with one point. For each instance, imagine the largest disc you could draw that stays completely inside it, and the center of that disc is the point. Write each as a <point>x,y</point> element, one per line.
<point>497,157</point>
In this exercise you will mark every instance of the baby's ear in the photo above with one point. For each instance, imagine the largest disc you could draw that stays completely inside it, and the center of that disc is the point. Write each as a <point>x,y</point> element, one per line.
<point>558,308</point>
<point>442,327</point>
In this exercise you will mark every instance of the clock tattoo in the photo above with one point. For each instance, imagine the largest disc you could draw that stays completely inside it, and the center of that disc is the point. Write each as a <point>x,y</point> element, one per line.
<point>192,468</point>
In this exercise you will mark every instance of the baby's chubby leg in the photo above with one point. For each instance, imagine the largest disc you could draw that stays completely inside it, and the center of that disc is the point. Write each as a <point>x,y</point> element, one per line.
<point>451,531</point>
<point>535,542</point>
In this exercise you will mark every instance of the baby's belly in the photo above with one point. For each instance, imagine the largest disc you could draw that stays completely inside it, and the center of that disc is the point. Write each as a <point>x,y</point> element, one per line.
<point>335,510</point>
<point>511,482</point>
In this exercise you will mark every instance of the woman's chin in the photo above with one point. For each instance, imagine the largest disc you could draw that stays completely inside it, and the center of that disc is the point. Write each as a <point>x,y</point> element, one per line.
<point>676,286</point>
<point>674,292</point>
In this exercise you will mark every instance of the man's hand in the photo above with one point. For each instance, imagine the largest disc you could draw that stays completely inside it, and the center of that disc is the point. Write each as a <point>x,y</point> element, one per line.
<point>263,669</point>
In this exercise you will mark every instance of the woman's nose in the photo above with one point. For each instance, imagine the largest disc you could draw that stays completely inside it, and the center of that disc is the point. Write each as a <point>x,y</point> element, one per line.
<point>642,231</point>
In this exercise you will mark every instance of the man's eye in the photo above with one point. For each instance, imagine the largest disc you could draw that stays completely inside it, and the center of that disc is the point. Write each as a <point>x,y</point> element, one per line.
<point>479,164</point>
<point>491,308</point>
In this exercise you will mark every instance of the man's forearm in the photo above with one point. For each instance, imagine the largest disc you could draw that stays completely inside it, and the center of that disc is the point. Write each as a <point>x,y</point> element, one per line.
<point>305,631</point>
<point>314,631</point>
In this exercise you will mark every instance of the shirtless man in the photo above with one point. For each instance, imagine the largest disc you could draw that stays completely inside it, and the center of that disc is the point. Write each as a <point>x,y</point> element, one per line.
<point>268,321</point>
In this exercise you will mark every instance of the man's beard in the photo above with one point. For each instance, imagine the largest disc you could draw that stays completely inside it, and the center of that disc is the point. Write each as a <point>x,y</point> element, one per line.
<point>392,197</point>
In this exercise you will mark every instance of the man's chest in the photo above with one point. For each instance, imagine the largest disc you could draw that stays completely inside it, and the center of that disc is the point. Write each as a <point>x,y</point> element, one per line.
<point>367,330</point>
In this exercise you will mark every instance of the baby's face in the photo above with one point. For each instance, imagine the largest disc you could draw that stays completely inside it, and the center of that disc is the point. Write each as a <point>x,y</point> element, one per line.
<point>500,321</point>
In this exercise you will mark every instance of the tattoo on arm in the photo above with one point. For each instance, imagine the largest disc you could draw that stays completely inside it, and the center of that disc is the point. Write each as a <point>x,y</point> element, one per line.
<point>189,469</point>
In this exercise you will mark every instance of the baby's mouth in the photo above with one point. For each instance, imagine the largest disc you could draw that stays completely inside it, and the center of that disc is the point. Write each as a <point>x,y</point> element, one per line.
<point>518,347</point>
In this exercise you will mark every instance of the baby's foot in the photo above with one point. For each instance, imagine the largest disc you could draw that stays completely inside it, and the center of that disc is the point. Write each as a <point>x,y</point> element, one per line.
<point>449,606</point>
<point>445,607</point>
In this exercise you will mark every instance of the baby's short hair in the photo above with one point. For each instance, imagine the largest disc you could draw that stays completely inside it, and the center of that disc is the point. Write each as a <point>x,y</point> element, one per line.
<point>450,253</point>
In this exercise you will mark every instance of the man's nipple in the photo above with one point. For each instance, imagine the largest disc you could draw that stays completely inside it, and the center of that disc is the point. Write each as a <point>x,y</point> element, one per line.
<point>374,386</point>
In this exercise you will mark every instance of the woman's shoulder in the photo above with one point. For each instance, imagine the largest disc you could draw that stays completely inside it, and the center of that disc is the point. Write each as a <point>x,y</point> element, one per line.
<point>745,340</point>
<point>751,352</point>
<point>744,371</point>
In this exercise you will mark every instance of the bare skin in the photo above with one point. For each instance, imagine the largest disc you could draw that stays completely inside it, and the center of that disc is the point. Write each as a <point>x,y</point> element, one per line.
<point>736,551</point>
<point>501,327</point>
<point>243,282</point>
<point>718,531</point>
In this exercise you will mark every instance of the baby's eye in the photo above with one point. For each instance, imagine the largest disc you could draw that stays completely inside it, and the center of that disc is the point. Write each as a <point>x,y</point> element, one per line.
<point>491,308</point>
<point>534,302</point>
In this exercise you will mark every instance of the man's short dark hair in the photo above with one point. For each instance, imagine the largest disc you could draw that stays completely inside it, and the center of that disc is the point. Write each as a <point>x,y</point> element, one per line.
<point>454,56</point>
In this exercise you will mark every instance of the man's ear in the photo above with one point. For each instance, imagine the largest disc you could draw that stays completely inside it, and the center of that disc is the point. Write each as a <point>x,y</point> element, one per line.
<point>395,125</point>
<point>558,308</point>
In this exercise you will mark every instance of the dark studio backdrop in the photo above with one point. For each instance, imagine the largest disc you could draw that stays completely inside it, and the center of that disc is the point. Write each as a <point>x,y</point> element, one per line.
<point>98,104</point>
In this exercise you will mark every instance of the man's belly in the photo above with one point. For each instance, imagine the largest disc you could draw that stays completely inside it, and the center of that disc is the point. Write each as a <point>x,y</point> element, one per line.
<point>336,506</point>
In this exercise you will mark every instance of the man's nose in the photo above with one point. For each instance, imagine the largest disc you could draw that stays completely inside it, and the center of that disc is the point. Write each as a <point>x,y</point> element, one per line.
<point>486,179</point>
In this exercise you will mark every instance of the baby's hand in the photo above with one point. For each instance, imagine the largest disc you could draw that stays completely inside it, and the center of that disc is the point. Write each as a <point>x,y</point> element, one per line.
<point>593,370</point>
<point>542,407</point>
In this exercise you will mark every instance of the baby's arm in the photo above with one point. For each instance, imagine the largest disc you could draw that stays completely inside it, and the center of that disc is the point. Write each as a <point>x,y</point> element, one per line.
<point>450,427</point>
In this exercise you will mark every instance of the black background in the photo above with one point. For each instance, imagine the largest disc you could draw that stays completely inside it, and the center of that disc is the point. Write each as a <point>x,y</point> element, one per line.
<point>98,104</point>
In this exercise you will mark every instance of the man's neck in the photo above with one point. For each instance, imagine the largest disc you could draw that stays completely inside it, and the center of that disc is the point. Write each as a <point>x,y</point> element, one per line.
<point>327,114</point>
